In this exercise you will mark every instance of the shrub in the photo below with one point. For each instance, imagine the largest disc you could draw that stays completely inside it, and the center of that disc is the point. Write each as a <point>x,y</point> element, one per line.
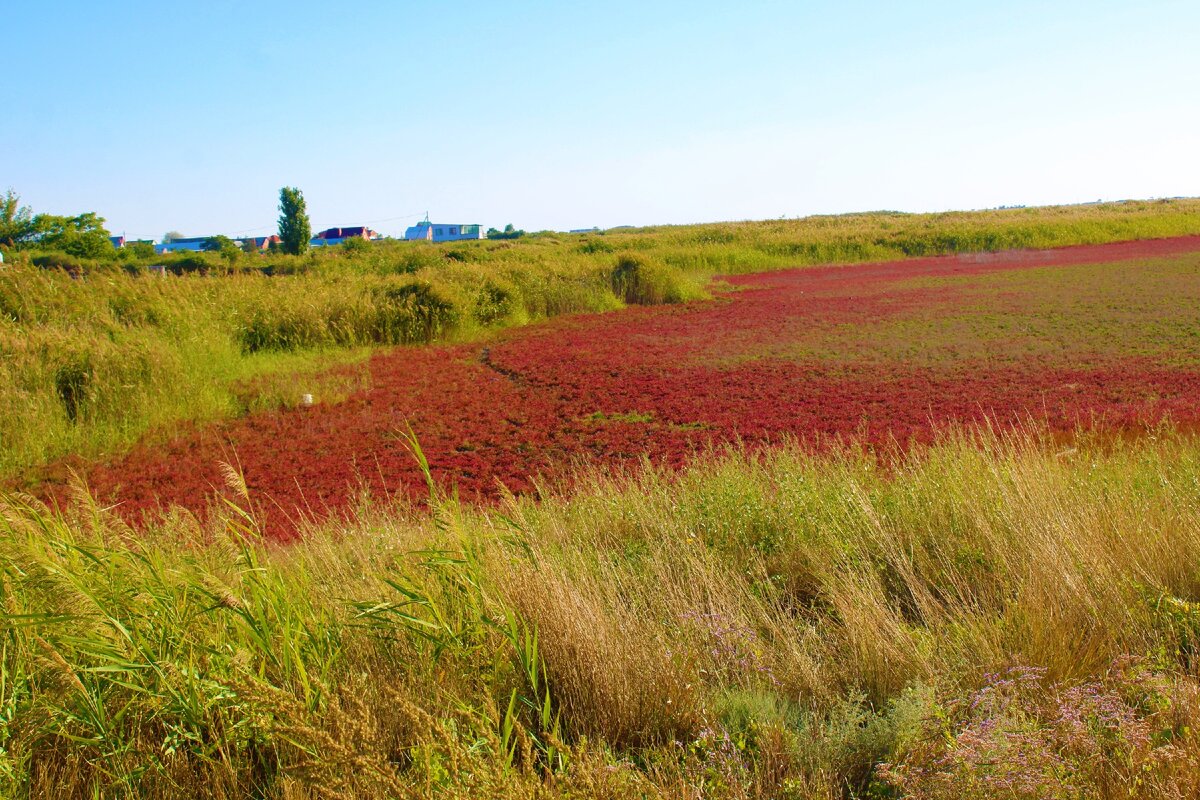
<point>355,245</point>
<point>60,260</point>
<point>137,250</point>
<point>198,263</point>
<point>71,382</point>
<point>637,280</point>
<point>509,232</point>
<point>283,264</point>
<point>223,246</point>
<point>413,312</point>
<point>493,303</point>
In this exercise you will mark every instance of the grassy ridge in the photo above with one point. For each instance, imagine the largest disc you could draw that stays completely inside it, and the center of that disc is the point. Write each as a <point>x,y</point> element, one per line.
<point>95,354</point>
<point>987,618</point>
<point>846,238</point>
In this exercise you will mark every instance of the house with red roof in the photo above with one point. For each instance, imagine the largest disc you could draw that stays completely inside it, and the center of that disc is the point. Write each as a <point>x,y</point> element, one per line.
<point>332,236</point>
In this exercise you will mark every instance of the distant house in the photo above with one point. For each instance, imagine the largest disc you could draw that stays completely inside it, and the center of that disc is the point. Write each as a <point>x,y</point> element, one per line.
<point>257,242</point>
<point>193,243</point>
<point>332,236</point>
<point>442,232</point>
<point>120,242</point>
<point>584,230</point>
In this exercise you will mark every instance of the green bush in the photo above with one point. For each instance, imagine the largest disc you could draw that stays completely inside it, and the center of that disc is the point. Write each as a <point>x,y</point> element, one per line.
<point>413,312</point>
<point>198,263</point>
<point>72,380</point>
<point>494,302</point>
<point>137,251</point>
<point>61,260</point>
<point>355,245</point>
<point>285,264</point>
<point>638,280</point>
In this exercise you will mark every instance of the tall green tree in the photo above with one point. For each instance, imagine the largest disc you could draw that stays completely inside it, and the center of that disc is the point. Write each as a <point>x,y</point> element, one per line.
<point>84,235</point>
<point>294,228</point>
<point>16,220</point>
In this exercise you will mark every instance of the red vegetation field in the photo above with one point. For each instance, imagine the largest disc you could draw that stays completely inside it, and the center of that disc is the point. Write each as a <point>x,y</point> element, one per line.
<point>1104,335</point>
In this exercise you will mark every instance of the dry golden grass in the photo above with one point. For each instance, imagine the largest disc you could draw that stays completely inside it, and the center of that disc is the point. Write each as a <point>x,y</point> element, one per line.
<point>770,625</point>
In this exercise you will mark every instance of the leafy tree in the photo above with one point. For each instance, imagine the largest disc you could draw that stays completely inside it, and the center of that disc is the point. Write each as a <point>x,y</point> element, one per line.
<point>171,236</point>
<point>16,220</point>
<point>139,249</point>
<point>223,245</point>
<point>84,236</point>
<point>294,228</point>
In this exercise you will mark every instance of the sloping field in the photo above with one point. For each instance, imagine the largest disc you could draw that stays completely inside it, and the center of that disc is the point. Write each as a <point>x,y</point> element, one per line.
<point>1094,336</point>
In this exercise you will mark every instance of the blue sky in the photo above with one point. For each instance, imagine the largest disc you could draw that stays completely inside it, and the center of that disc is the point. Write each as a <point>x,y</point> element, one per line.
<point>190,116</point>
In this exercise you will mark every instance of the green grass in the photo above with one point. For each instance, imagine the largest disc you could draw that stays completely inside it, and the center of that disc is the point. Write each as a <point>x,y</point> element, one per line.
<point>90,363</point>
<point>982,615</point>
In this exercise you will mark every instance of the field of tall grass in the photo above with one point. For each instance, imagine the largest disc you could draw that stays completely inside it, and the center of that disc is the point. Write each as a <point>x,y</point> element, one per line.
<point>992,617</point>
<point>94,355</point>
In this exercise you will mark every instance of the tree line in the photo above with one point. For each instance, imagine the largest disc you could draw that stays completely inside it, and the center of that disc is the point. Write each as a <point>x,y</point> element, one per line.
<point>84,235</point>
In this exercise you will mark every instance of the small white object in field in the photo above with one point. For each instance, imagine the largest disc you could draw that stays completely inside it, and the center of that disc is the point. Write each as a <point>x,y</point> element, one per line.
<point>306,400</point>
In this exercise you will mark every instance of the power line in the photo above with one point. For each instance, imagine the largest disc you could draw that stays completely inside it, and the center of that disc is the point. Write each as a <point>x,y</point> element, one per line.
<point>243,231</point>
<point>393,219</point>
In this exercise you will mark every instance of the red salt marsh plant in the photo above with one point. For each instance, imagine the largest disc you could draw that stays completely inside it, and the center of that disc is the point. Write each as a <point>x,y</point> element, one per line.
<point>93,364</point>
<point>877,355</point>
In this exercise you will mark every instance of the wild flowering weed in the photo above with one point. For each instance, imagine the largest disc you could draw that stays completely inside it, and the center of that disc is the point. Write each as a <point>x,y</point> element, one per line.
<point>734,650</point>
<point>1020,737</point>
<point>716,763</point>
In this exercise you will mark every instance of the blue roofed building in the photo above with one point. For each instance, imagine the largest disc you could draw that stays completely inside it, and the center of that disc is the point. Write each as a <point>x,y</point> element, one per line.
<point>192,243</point>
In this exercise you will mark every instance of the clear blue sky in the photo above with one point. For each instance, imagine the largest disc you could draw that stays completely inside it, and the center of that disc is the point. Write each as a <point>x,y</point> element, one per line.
<point>190,116</point>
